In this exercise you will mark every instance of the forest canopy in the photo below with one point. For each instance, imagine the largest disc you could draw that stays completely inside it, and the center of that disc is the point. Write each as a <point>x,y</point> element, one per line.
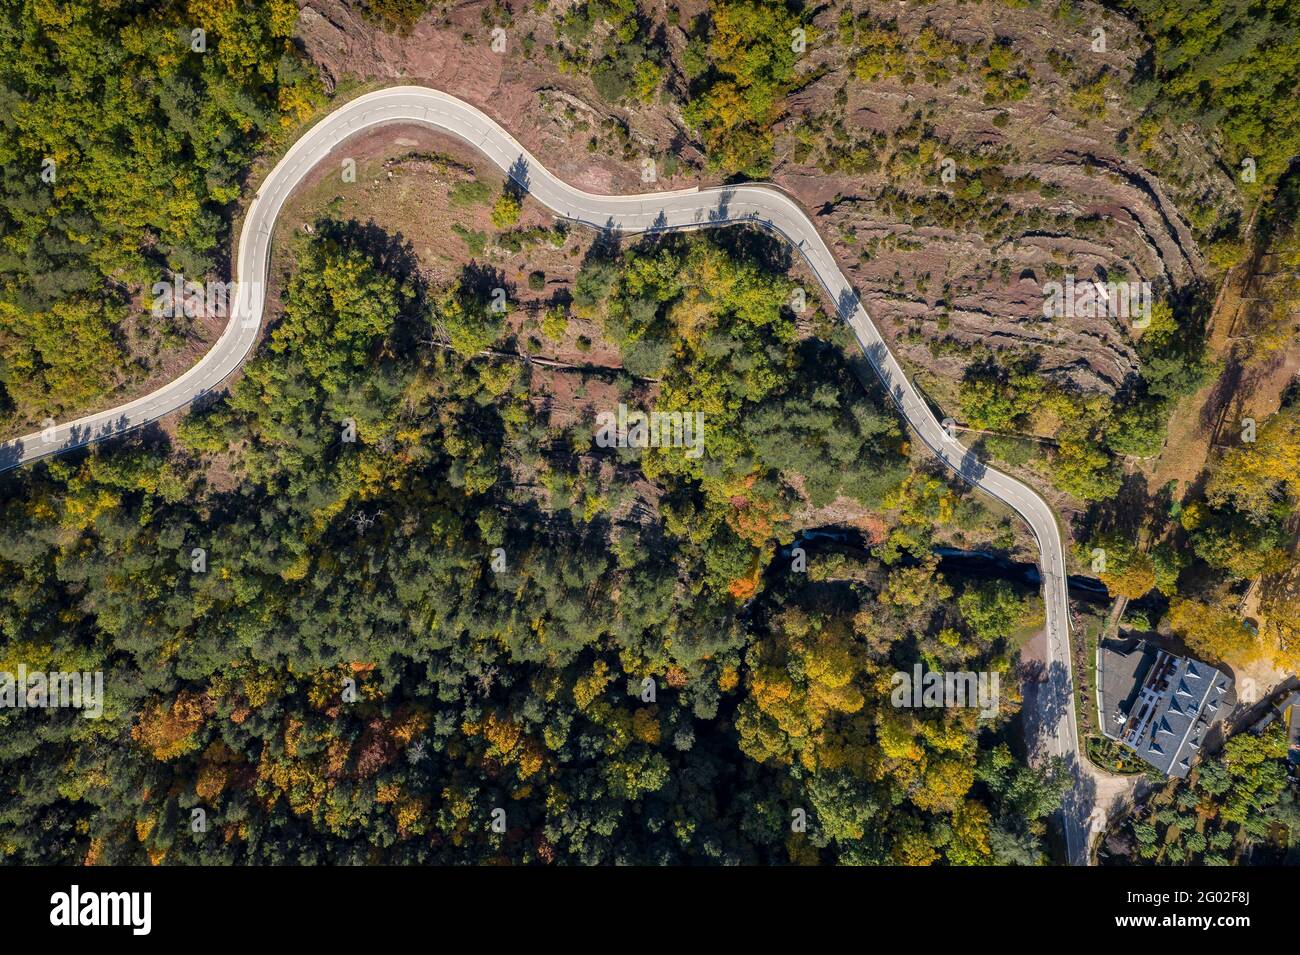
<point>127,130</point>
<point>375,602</point>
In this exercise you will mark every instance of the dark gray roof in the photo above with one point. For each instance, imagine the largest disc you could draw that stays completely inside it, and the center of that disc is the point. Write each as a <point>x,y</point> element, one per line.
<point>1157,704</point>
<point>1121,665</point>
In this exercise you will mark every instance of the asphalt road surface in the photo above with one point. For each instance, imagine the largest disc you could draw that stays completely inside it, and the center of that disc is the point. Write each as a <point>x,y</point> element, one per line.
<point>757,204</point>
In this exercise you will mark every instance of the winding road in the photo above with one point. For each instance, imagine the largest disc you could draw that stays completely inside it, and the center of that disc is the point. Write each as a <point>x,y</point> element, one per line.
<point>756,204</point>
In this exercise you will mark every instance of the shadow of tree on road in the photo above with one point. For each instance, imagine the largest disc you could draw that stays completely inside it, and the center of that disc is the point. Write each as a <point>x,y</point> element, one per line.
<point>519,176</point>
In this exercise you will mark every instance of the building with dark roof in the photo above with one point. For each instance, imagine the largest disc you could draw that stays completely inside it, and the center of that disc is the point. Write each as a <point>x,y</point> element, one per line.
<point>1158,704</point>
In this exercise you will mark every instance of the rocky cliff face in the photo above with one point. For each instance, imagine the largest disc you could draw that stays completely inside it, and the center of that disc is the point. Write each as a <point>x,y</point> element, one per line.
<point>960,156</point>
